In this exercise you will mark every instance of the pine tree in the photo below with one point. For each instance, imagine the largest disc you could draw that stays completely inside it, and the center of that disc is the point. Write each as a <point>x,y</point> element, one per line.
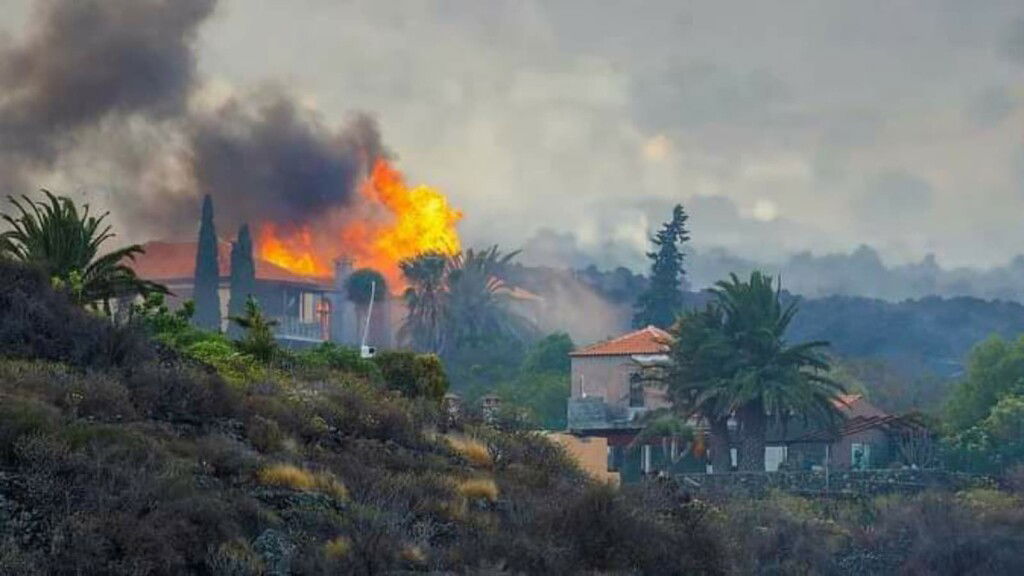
<point>243,277</point>
<point>663,300</point>
<point>207,279</point>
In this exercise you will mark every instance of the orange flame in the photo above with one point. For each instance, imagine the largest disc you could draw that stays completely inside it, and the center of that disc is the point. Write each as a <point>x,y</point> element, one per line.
<point>396,223</point>
<point>293,252</point>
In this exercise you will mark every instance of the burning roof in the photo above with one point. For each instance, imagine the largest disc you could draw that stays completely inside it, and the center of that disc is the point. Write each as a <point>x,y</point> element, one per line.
<point>391,223</point>
<point>170,262</point>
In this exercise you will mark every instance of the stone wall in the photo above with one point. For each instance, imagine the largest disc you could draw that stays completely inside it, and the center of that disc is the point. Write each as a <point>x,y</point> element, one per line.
<point>868,482</point>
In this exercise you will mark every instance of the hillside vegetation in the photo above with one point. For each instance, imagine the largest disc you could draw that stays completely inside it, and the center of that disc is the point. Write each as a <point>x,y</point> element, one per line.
<point>120,454</point>
<point>146,447</point>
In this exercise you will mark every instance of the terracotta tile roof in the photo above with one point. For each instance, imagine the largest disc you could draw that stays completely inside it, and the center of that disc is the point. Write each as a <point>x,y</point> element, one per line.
<point>649,340</point>
<point>860,424</point>
<point>846,400</point>
<point>170,261</point>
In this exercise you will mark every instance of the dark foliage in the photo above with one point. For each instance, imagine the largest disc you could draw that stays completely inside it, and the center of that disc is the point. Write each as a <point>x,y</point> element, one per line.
<point>207,276</point>
<point>36,322</point>
<point>243,277</point>
<point>414,375</point>
<point>663,300</point>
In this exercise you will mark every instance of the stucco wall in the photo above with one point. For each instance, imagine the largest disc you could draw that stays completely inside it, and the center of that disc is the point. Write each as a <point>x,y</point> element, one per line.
<point>590,452</point>
<point>608,377</point>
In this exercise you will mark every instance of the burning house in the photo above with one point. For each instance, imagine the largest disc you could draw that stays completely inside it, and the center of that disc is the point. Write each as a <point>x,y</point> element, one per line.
<point>303,266</point>
<point>308,309</point>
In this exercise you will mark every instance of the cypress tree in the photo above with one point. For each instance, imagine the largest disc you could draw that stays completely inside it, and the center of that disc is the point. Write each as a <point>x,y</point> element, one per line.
<point>243,276</point>
<point>663,300</point>
<point>207,279</point>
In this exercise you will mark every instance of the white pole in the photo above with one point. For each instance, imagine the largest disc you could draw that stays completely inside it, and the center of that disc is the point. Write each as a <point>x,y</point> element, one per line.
<point>369,312</point>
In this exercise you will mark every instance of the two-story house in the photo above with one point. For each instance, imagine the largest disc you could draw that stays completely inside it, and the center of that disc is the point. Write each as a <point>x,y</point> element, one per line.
<point>610,396</point>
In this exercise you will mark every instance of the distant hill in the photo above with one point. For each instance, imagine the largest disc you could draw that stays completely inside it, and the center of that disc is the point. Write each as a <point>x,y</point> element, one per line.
<point>929,335</point>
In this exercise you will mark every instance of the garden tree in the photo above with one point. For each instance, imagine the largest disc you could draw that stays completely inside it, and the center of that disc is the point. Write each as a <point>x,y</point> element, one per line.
<point>540,385</point>
<point>414,375</point>
<point>478,300</point>
<point>54,235</point>
<point>995,370</point>
<point>243,276</point>
<point>671,431</point>
<point>550,354</point>
<point>360,285</point>
<point>732,359</point>
<point>259,332</point>
<point>207,276</point>
<point>424,299</point>
<point>461,304</point>
<point>985,414</point>
<point>663,300</point>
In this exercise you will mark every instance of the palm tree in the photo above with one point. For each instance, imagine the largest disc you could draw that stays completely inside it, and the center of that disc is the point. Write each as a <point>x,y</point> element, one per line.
<point>478,307</point>
<point>424,298</point>
<point>731,360</point>
<point>460,300</point>
<point>54,235</point>
<point>259,331</point>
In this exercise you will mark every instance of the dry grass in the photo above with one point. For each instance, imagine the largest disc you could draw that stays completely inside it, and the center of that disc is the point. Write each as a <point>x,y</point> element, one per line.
<point>337,548</point>
<point>414,555</point>
<point>472,450</point>
<point>289,476</point>
<point>327,484</point>
<point>479,489</point>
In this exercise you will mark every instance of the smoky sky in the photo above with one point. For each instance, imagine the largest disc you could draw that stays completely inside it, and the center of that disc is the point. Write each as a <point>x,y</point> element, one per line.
<point>275,161</point>
<point>81,61</point>
<point>785,127</point>
<point>116,82</point>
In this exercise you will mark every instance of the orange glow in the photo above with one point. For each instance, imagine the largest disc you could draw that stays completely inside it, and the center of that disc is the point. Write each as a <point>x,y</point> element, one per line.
<point>393,222</point>
<point>294,252</point>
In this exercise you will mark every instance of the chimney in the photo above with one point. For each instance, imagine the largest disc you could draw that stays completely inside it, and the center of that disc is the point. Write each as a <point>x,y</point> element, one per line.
<point>343,314</point>
<point>342,272</point>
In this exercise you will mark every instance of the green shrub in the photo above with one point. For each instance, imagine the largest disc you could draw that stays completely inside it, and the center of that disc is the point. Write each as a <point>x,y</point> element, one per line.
<point>179,393</point>
<point>336,357</point>
<point>22,417</point>
<point>264,434</point>
<point>413,375</point>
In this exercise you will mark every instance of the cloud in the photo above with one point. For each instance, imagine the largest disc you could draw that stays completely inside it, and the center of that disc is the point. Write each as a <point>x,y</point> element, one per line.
<point>84,60</point>
<point>575,117</point>
<point>1013,42</point>
<point>991,106</point>
<point>892,199</point>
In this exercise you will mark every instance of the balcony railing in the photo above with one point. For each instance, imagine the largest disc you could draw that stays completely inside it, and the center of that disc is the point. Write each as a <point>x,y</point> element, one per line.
<point>593,413</point>
<point>291,328</point>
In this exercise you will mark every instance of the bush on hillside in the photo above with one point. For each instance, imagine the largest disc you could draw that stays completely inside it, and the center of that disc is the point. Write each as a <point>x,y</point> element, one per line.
<point>414,375</point>
<point>38,323</point>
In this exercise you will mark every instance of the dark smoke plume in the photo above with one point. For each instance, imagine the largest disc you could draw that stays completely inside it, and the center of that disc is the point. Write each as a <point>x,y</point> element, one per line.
<point>85,60</point>
<point>273,160</point>
<point>110,83</point>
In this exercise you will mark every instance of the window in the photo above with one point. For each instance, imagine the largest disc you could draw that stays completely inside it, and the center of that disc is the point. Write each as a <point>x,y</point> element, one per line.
<point>614,458</point>
<point>307,308</point>
<point>860,456</point>
<point>636,391</point>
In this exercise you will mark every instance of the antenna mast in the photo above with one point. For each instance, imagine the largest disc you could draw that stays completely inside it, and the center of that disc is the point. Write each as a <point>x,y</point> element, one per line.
<point>369,313</point>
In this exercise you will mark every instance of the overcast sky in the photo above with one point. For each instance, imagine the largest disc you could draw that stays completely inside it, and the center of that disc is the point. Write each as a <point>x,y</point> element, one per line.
<point>781,126</point>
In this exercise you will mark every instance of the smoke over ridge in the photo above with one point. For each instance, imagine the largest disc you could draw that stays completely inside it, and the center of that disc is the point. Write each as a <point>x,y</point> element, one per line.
<point>114,83</point>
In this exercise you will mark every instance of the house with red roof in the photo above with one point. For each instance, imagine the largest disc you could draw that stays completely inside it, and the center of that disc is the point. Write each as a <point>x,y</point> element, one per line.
<point>308,309</point>
<point>609,398</point>
<point>867,437</point>
<point>607,387</point>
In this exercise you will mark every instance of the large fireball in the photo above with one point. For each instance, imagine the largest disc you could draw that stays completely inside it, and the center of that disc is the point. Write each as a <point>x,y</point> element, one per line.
<point>395,223</point>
